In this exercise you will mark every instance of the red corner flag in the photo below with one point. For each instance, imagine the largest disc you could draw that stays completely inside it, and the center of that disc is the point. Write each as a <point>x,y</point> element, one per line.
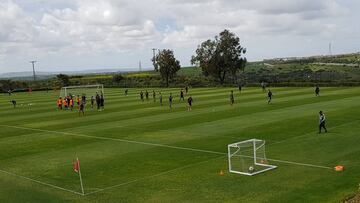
<point>76,168</point>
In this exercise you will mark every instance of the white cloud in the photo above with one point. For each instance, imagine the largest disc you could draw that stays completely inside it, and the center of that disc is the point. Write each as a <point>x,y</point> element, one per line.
<point>84,28</point>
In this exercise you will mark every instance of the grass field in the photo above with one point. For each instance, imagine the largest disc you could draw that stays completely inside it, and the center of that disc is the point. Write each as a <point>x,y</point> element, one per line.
<point>141,152</point>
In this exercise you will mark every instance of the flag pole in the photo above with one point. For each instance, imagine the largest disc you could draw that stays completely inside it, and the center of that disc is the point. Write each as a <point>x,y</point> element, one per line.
<point>81,183</point>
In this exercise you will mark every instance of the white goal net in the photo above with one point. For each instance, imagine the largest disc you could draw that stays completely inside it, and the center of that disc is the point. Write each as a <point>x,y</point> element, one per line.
<point>248,157</point>
<point>84,90</point>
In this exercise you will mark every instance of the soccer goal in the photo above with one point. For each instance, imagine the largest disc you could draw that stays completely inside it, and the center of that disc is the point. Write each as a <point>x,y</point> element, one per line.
<point>83,90</point>
<point>248,157</point>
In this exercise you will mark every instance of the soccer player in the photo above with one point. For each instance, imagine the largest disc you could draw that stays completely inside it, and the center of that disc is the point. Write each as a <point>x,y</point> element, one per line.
<point>154,95</point>
<point>68,101</point>
<point>240,87</point>
<point>59,103</point>
<point>102,102</point>
<point>147,95</point>
<point>160,98</point>
<point>92,100</point>
<point>186,89</point>
<point>78,100</point>
<point>65,104</point>
<point>190,101</point>
<point>322,122</point>
<point>232,100</point>
<point>270,94</point>
<point>142,96</point>
<point>13,103</point>
<point>97,98</point>
<point>71,103</point>
<point>126,92</point>
<point>182,95</point>
<point>83,98</point>
<point>263,86</point>
<point>170,100</point>
<point>81,108</point>
<point>317,91</point>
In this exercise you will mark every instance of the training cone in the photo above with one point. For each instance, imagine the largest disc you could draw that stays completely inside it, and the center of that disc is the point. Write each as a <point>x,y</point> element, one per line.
<point>262,161</point>
<point>221,173</point>
<point>339,168</point>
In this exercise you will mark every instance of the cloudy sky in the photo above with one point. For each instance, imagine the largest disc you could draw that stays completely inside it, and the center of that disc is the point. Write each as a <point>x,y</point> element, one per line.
<point>88,34</point>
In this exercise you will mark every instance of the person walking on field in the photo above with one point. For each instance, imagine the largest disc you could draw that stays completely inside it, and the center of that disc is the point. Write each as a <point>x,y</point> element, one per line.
<point>147,95</point>
<point>81,108</point>
<point>232,100</point>
<point>71,104</point>
<point>170,100</point>
<point>270,95</point>
<point>97,98</point>
<point>13,103</point>
<point>317,91</point>
<point>322,122</point>
<point>154,96</point>
<point>182,95</point>
<point>102,102</point>
<point>142,96</point>
<point>59,103</point>
<point>190,102</point>
<point>92,100</point>
<point>263,86</point>
<point>160,99</point>
<point>78,100</point>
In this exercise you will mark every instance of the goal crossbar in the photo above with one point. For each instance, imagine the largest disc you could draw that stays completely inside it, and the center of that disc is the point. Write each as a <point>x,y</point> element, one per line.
<point>82,89</point>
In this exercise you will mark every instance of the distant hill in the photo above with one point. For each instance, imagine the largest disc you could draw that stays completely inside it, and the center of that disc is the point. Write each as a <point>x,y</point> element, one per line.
<point>43,75</point>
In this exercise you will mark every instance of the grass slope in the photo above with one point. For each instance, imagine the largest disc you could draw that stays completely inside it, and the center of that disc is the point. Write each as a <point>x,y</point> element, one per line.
<point>141,152</point>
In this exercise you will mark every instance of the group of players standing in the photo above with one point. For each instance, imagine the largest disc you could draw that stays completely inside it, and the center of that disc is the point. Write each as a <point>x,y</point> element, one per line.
<point>183,93</point>
<point>67,103</point>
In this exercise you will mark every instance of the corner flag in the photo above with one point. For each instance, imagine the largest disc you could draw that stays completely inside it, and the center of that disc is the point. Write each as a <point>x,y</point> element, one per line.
<point>76,168</point>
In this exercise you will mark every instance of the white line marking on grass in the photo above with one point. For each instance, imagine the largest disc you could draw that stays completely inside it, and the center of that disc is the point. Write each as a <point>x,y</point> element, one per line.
<point>152,176</point>
<point>300,164</point>
<point>42,183</point>
<point>116,139</point>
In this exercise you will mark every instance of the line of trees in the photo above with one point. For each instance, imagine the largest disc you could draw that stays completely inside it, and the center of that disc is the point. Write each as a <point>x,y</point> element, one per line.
<point>217,58</point>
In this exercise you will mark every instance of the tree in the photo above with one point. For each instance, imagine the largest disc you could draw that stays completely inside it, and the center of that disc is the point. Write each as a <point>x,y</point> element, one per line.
<point>153,60</point>
<point>156,68</point>
<point>221,56</point>
<point>167,64</point>
<point>118,78</point>
<point>63,79</point>
<point>6,85</point>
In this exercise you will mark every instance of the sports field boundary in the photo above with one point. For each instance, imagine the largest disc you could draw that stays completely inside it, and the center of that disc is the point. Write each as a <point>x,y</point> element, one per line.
<point>223,154</point>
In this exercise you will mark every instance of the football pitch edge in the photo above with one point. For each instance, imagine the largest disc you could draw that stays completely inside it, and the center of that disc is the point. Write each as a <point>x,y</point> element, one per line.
<point>130,132</point>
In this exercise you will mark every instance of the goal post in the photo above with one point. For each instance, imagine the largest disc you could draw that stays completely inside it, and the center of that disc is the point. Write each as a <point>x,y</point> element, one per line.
<point>248,157</point>
<point>82,90</point>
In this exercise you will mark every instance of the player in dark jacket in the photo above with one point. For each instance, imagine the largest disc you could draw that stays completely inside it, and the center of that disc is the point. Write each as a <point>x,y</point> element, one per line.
<point>322,122</point>
<point>270,95</point>
<point>232,100</point>
<point>190,102</point>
